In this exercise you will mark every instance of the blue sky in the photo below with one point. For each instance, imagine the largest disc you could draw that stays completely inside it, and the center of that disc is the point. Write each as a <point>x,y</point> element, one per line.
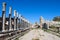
<point>33,9</point>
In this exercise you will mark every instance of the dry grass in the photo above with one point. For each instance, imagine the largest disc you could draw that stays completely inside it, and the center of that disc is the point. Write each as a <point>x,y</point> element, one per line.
<point>35,39</point>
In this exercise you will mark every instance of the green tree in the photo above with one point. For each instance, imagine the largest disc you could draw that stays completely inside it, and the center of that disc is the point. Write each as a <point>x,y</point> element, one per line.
<point>57,18</point>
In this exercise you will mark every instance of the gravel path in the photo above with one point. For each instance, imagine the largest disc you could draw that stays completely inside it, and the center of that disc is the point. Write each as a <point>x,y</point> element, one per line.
<point>39,34</point>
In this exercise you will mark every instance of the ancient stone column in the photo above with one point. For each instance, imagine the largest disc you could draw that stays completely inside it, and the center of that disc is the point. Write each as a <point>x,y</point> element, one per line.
<point>24,23</point>
<point>28,24</point>
<point>17,21</point>
<point>10,23</point>
<point>20,21</point>
<point>14,19</point>
<point>3,16</point>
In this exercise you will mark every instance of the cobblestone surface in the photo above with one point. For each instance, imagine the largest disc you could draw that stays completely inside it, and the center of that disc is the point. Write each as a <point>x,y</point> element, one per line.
<point>39,34</point>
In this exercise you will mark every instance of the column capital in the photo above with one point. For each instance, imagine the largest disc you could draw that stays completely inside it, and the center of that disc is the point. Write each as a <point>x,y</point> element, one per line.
<point>4,6</point>
<point>10,10</point>
<point>14,12</point>
<point>17,14</point>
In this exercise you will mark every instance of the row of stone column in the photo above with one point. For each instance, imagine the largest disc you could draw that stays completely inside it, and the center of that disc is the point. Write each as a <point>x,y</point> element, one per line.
<point>23,22</point>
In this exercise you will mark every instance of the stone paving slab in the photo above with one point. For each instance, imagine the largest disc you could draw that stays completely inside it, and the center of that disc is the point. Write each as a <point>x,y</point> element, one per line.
<point>40,34</point>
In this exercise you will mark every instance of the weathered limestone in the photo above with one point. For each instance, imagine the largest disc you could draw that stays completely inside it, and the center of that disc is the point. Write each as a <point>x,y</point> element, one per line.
<point>3,16</point>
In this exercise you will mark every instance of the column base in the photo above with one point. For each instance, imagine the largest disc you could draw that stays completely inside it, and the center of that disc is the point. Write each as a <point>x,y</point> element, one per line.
<point>14,29</point>
<point>10,29</point>
<point>3,30</point>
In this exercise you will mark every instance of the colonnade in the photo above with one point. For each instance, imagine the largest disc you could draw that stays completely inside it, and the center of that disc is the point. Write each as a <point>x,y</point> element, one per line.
<point>19,21</point>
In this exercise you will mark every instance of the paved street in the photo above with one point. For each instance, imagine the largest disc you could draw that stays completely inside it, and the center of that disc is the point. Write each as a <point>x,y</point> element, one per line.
<point>39,34</point>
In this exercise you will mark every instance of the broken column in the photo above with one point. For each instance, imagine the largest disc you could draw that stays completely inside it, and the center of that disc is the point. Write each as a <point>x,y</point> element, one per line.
<point>10,23</point>
<point>3,16</point>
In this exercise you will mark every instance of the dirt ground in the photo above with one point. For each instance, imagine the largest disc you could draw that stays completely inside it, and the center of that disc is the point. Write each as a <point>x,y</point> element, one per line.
<point>38,34</point>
